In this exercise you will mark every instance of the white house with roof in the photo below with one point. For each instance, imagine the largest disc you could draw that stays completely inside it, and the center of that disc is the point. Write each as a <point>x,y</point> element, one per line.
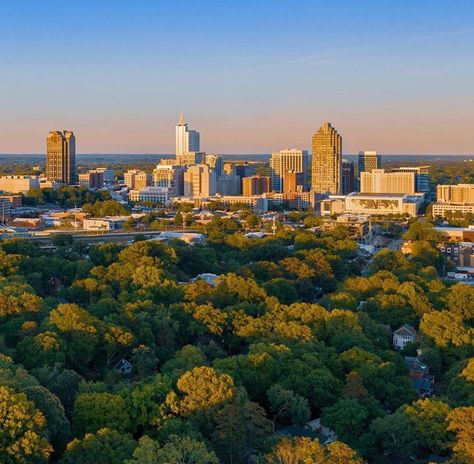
<point>404,335</point>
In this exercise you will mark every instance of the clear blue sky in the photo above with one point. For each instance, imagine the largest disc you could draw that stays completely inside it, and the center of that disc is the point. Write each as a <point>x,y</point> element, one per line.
<point>251,76</point>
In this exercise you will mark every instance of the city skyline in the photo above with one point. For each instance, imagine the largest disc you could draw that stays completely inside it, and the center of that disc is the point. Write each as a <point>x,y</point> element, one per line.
<point>255,79</point>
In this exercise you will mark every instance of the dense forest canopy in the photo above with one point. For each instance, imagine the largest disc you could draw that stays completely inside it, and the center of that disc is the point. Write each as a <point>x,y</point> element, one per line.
<point>297,327</point>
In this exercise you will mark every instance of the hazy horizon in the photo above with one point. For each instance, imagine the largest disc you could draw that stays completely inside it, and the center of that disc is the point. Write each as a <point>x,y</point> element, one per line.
<point>251,77</point>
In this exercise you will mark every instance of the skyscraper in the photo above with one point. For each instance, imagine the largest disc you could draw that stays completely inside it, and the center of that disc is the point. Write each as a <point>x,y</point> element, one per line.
<point>369,160</point>
<point>61,157</point>
<point>326,167</point>
<point>347,175</point>
<point>287,160</point>
<point>186,140</point>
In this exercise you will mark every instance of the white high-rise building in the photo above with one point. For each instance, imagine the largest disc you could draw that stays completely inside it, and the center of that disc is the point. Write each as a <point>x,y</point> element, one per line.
<point>287,160</point>
<point>186,140</point>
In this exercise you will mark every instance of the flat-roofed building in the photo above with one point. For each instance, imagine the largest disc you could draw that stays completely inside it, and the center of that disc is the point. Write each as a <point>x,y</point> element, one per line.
<point>255,185</point>
<point>379,181</point>
<point>422,176</point>
<point>290,159</point>
<point>107,223</point>
<point>293,181</point>
<point>93,179</point>
<point>14,200</point>
<point>459,194</point>
<point>347,174</point>
<point>108,173</point>
<point>18,184</point>
<point>258,203</point>
<point>454,199</point>
<point>171,177</point>
<point>137,179</point>
<point>357,225</point>
<point>383,203</point>
<point>369,160</point>
<point>199,181</point>
<point>150,194</point>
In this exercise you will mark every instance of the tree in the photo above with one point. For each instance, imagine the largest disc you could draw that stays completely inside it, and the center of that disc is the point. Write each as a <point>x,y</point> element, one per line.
<point>446,328</point>
<point>178,450</point>
<point>240,427</point>
<point>304,450</point>
<point>178,219</point>
<point>347,417</point>
<point>461,422</point>
<point>428,418</point>
<point>395,434</point>
<point>94,411</point>
<point>461,301</point>
<point>22,430</point>
<point>423,231</point>
<point>287,407</point>
<point>202,389</point>
<point>56,421</point>
<point>104,447</point>
<point>354,387</point>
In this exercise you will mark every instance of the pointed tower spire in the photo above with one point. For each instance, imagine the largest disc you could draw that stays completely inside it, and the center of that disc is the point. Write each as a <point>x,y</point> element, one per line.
<point>181,121</point>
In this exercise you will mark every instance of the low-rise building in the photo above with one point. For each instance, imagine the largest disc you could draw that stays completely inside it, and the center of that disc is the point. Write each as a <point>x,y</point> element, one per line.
<point>104,224</point>
<point>356,225</point>
<point>18,184</point>
<point>93,179</point>
<point>383,204</point>
<point>150,194</point>
<point>456,234</point>
<point>258,203</point>
<point>14,200</point>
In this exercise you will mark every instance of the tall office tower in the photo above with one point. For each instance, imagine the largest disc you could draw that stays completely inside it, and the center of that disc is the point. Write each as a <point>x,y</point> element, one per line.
<point>347,174</point>
<point>199,181</point>
<point>379,181</point>
<point>61,157</point>
<point>369,160</point>
<point>326,166</point>
<point>287,160</point>
<point>255,185</point>
<point>214,162</point>
<point>422,177</point>
<point>186,140</point>
<point>171,177</point>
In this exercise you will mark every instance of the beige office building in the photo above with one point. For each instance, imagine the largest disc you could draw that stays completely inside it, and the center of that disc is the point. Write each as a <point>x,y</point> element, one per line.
<point>169,176</point>
<point>379,181</point>
<point>61,157</point>
<point>18,184</point>
<point>136,179</point>
<point>199,181</point>
<point>454,199</point>
<point>326,161</point>
<point>456,194</point>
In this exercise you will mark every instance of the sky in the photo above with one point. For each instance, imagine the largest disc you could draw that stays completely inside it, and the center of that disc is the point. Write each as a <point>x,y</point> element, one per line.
<point>251,76</point>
